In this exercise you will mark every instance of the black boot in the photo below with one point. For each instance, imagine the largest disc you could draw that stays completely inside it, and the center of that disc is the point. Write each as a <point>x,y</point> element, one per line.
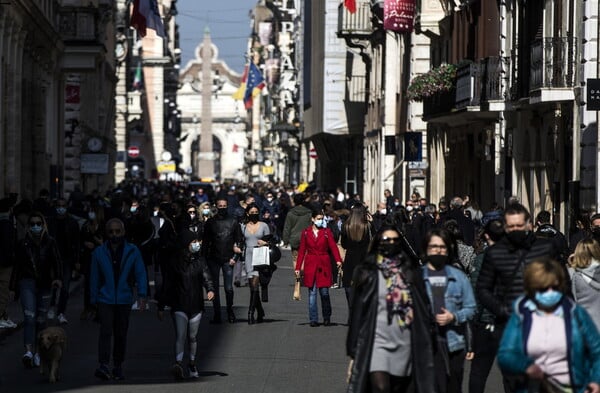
<point>264,293</point>
<point>260,312</point>
<point>252,307</point>
<point>230,315</point>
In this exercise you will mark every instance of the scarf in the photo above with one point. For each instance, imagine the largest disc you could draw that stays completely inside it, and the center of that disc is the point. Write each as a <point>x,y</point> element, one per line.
<point>398,298</point>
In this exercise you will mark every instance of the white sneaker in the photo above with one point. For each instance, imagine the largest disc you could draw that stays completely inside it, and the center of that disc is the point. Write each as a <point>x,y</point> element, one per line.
<point>36,360</point>
<point>51,313</point>
<point>7,324</point>
<point>135,306</point>
<point>62,319</point>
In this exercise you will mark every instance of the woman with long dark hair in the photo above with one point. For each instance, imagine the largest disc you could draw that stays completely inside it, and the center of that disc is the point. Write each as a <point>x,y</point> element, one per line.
<point>254,231</point>
<point>390,337</point>
<point>355,238</point>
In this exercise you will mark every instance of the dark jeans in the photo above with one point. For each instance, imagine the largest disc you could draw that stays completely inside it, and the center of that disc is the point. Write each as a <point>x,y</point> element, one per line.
<point>449,383</point>
<point>114,321</point>
<point>215,268</point>
<point>35,303</point>
<point>64,290</point>
<point>485,346</point>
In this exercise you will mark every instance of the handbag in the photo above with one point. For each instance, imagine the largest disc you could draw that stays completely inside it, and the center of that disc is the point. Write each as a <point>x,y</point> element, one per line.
<point>340,276</point>
<point>296,295</point>
<point>260,256</point>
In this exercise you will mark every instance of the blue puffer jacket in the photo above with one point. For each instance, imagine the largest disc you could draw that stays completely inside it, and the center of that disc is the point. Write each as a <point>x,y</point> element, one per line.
<point>583,343</point>
<point>460,301</point>
<point>104,289</point>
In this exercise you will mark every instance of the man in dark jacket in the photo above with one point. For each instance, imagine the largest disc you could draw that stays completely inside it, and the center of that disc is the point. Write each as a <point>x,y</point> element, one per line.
<point>297,220</point>
<point>221,240</point>
<point>65,230</point>
<point>466,225</point>
<point>500,281</point>
<point>548,231</point>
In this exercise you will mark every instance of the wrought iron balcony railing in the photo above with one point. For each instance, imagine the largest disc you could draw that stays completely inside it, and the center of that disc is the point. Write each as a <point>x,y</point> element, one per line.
<point>492,71</point>
<point>552,63</point>
<point>439,103</point>
<point>468,85</point>
<point>358,24</point>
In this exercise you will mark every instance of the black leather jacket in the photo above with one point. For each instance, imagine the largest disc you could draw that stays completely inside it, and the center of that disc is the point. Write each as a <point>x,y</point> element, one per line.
<point>220,235</point>
<point>185,280</point>
<point>41,262</point>
<point>363,322</point>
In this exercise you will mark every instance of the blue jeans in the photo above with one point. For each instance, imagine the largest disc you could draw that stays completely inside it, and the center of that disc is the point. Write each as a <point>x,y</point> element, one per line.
<point>35,303</point>
<point>215,268</point>
<point>313,312</point>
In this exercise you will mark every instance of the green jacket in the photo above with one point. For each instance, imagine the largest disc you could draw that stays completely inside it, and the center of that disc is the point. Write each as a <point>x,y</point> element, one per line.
<point>297,220</point>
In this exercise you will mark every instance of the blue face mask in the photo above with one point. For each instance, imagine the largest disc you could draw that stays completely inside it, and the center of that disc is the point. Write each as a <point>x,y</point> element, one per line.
<point>195,247</point>
<point>92,216</point>
<point>61,210</point>
<point>206,212</point>
<point>133,209</point>
<point>319,223</point>
<point>36,229</point>
<point>549,298</point>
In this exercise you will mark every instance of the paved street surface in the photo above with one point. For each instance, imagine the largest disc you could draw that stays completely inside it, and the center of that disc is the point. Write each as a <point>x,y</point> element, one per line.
<point>284,354</point>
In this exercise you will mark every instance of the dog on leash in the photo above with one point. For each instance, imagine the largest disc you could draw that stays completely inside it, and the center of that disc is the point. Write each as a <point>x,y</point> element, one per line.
<point>52,342</point>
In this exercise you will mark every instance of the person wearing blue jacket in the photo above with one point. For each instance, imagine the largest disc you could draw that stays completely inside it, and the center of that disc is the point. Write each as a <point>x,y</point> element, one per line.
<point>116,266</point>
<point>452,305</point>
<point>550,343</point>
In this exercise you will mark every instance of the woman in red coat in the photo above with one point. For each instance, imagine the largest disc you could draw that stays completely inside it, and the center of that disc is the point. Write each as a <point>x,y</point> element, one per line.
<point>316,242</point>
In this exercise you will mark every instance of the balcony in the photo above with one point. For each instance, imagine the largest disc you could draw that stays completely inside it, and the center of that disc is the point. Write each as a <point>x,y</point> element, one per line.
<point>552,69</point>
<point>468,86</point>
<point>438,104</point>
<point>356,25</point>
<point>492,73</point>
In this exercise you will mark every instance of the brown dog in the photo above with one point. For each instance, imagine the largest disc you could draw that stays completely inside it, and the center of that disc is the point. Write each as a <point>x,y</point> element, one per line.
<point>52,342</point>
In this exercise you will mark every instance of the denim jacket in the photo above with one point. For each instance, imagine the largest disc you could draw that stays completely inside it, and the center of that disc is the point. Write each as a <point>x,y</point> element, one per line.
<point>460,301</point>
<point>583,343</point>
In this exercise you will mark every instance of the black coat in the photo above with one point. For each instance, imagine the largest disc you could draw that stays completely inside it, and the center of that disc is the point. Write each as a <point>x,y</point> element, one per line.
<point>363,322</point>
<point>184,282</point>
<point>500,280</point>
<point>41,262</point>
<point>356,251</point>
<point>220,235</point>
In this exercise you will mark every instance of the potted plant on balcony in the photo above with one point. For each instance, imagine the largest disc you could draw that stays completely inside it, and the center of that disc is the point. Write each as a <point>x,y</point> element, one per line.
<point>437,80</point>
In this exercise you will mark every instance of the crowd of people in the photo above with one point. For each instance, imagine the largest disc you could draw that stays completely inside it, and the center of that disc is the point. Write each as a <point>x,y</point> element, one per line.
<point>428,286</point>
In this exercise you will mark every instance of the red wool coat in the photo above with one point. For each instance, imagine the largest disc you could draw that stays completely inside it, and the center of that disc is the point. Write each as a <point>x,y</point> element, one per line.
<point>314,255</point>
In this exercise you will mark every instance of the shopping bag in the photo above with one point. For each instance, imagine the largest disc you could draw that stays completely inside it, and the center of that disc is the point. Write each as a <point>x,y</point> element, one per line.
<point>260,256</point>
<point>296,295</point>
<point>340,275</point>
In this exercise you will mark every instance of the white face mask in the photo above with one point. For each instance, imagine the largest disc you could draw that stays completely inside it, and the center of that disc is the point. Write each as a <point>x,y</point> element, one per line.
<point>195,247</point>
<point>409,208</point>
<point>383,211</point>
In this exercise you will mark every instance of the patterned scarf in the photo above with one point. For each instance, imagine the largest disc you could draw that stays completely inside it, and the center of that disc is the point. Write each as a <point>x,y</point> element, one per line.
<point>398,298</point>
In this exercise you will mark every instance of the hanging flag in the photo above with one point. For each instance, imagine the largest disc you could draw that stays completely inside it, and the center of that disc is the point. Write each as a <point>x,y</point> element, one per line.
<point>137,78</point>
<point>350,5</point>
<point>239,94</point>
<point>145,15</point>
<point>254,85</point>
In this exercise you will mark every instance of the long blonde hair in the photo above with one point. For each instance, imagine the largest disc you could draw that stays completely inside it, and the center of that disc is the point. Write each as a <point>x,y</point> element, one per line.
<point>586,250</point>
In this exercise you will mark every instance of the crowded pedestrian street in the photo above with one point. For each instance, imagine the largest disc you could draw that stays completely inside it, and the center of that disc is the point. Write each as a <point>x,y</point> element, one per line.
<point>283,354</point>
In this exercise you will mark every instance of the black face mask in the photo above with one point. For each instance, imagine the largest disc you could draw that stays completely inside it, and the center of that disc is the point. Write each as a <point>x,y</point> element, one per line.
<point>253,217</point>
<point>518,238</point>
<point>116,240</point>
<point>437,261</point>
<point>389,249</point>
<point>222,211</point>
<point>596,233</point>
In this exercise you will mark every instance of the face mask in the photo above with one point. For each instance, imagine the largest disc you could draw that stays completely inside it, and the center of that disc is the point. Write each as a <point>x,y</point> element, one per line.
<point>383,211</point>
<point>61,210</point>
<point>222,211</point>
<point>437,261</point>
<point>133,209</point>
<point>389,249</point>
<point>548,299</point>
<point>116,240</point>
<point>192,215</point>
<point>319,223</point>
<point>92,216</point>
<point>253,217</point>
<point>269,199</point>
<point>396,203</point>
<point>155,214</point>
<point>36,229</point>
<point>409,208</point>
<point>596,232</point>
<point>195,247</point>
<point>206,212</point>
<point>518,238</point>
